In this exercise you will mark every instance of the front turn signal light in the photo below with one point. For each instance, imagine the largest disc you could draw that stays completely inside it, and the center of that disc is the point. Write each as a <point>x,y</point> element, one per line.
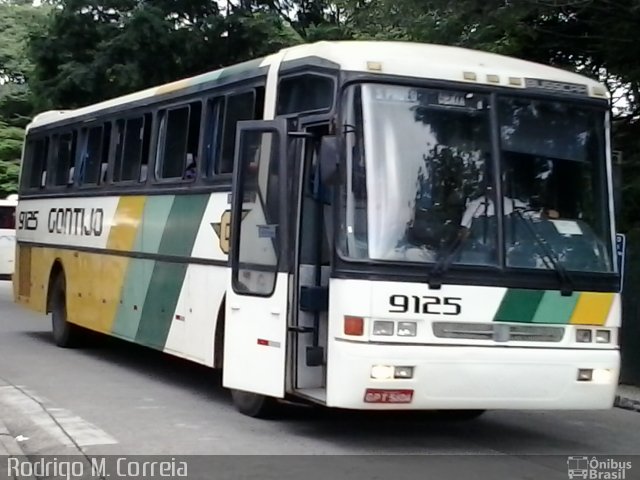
<point>353,326</point>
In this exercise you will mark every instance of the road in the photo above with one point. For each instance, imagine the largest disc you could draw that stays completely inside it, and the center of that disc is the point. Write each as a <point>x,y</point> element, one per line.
<point>117,398</point>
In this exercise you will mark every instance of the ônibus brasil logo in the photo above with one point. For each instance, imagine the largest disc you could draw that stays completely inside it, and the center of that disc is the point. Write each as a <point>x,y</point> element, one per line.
<point>594,468</point>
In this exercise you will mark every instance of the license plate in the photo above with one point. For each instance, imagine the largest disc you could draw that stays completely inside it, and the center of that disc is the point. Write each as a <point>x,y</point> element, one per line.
<point>373,395</point>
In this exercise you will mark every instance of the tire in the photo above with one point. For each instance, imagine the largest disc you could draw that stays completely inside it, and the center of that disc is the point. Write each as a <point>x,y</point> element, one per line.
<point>64,333</point>
<point>253,404</point>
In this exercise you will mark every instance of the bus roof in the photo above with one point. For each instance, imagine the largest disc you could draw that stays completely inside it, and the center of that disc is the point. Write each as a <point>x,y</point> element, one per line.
<point>418,60</point>
<point>9,202</point>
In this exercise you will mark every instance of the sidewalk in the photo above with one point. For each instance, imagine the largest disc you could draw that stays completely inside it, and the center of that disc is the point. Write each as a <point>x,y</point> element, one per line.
<point>9,447</point>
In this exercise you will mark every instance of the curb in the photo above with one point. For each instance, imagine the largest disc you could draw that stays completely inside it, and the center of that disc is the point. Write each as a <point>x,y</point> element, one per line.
<point>9,446</point>
<point>627,403</point>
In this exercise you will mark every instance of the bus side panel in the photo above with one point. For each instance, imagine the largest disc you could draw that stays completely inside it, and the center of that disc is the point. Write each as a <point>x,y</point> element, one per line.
<point>31,277</point>
<point>92,283</point>
<point>192,331</point>
<point>150,293</point>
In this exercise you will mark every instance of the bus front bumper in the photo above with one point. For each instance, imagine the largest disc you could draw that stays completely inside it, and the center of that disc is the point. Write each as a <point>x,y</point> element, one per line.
<point>469,377</point>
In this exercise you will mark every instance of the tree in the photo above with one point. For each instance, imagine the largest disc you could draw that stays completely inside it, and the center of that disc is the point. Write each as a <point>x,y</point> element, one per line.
<point>592,37</point>
<point>90,50</point>
<point>17,18</point>
<point>97,49</point>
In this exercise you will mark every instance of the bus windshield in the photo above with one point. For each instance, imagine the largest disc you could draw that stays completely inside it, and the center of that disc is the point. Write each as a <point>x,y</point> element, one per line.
<point>421,171</point>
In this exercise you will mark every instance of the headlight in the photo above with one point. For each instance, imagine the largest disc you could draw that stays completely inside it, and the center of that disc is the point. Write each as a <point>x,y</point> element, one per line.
<point>603,336</point>
<point>383,328</point>
<point>407,329</point>
<point>603,376</point>
<point>382,372</point>
<point>583,335</point>
<point>403,372</point>
<point>585,374</point>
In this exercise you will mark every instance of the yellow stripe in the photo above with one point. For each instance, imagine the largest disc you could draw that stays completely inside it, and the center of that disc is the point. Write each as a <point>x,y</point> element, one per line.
<point>122,236</point>
<point>592,309</point>
<point>125,223</point>
<point>172,87</point>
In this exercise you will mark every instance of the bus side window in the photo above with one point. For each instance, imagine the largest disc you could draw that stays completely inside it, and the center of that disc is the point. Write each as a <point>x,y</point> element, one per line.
<point>34,170</point>
<point>179,142</point>
<point>213,132</point>
<point>238,107</point>
<point>64,159</point>
<point>92,156</point>
<point>104,152</point>
<point>132,149</point>
<point>305,93</point>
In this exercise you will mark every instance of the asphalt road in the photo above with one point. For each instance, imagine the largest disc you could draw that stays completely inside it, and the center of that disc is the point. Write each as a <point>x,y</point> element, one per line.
<point>120,399</point>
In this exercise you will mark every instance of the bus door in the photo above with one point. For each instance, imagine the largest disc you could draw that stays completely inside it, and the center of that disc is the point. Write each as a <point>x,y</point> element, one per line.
<point>255,342</point>
<point>309,323</point>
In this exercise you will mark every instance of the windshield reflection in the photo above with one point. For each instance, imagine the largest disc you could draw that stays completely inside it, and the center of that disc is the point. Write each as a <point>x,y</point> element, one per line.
<point>417,156</point>
<point>420,172</point>
<point>553,159</point>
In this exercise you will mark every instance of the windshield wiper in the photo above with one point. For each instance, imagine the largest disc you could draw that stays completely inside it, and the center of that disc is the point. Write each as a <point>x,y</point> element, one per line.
<point>566,284</point>
<point>549,257</point>
<point>444,262</point>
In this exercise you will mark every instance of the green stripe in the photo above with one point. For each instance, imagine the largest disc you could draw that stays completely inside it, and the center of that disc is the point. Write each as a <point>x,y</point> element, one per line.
<point>132,298</point>
<point>241,68</point>
<point>156,213</point>
<point>221,73</point>
<point>160,303</point>
<point>182,225</point>
<point>138,276</point>
<point>555,308</point>
<point>167,278</point>
<point>519,305</point>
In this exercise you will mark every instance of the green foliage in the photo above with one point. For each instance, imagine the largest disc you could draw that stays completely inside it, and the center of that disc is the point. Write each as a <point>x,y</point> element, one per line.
<point>9,172</point>
<point>592,37</point>
<point>17,19</point>
<point>97,49</point>
<point>10,149</point>
<point>89,50</point>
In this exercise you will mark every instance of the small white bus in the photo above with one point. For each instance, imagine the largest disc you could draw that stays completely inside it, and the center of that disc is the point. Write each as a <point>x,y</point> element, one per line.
<point>7,236</point>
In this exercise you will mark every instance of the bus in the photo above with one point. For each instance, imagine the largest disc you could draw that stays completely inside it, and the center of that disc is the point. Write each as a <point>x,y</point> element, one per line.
<point>361,225</point>
<point>7,236</point>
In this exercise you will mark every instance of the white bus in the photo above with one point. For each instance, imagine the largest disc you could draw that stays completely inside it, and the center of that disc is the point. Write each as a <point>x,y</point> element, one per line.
<point>7,236</point>
<point>321,224</point>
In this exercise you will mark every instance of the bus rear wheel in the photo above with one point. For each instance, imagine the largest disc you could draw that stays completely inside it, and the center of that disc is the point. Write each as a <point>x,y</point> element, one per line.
<point>65,334</point>
<point>253,404</point>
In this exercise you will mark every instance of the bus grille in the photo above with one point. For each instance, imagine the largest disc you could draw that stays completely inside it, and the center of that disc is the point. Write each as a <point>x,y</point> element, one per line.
<point>498,332</point>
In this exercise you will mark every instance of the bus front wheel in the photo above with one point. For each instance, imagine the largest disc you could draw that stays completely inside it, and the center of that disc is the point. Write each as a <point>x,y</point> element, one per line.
<point>253,404</point>
<point>65,334</point>
<point>462,415</point>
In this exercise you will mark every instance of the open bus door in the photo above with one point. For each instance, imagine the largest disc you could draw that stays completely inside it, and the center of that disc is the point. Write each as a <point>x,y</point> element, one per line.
<point>257,290</point>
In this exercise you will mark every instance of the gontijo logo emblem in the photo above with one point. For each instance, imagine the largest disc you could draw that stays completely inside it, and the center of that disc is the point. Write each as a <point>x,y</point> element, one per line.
<point>594,468</point>
<point>223,229</point>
